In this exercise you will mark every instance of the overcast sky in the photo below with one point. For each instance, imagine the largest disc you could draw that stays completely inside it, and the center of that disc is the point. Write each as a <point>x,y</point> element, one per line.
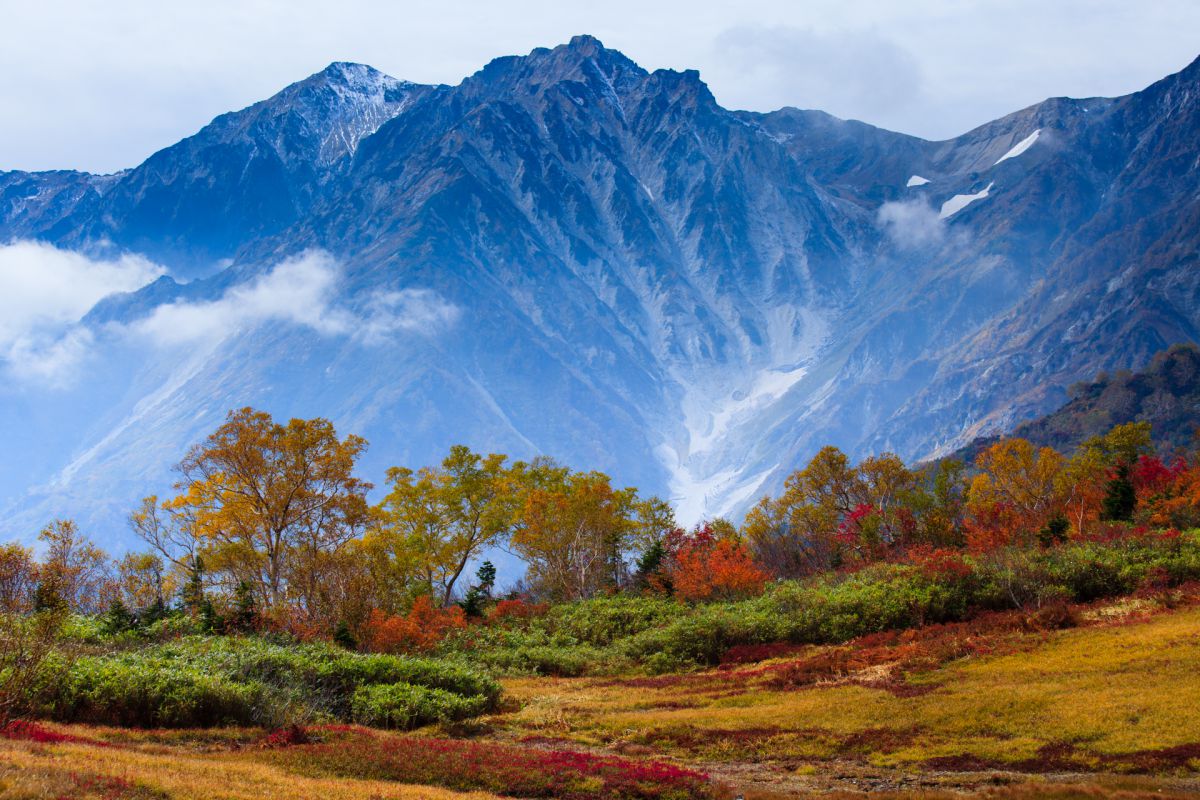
<point>101,85</point>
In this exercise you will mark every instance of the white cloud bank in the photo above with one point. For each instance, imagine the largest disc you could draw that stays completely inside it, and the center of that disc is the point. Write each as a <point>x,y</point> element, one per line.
<point>300,291</point>
<point>44,292</point>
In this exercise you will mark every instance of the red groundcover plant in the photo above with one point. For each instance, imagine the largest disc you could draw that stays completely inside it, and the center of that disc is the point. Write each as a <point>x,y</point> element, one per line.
<point>24,730</point>
<point>505,769</point>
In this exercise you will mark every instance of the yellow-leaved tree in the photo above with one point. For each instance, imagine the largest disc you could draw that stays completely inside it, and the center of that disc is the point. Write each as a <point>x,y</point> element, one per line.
<point>435,520</point>
<point>1016,493</point>
<point>273,504</point>
<point>575,530</point>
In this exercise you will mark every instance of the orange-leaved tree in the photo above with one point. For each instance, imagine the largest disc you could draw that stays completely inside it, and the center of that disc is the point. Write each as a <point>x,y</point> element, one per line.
<point>707,566</point>
<point>420,629</point>
<point>574,529</point>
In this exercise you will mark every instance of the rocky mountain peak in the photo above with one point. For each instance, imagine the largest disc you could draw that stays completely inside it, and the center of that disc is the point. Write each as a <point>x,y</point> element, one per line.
<point>569,255</point>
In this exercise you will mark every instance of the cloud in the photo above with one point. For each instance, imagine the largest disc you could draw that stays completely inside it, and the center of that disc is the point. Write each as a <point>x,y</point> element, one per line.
<point>911,224</point>
<point>405,310</point>
<point>298,291</point>
<point>303,291</point>
<point>853,73</point>
<point>44,291</point>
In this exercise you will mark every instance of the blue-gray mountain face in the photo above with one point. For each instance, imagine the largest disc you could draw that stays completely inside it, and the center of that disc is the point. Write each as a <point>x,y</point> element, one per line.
<point>567,254</point>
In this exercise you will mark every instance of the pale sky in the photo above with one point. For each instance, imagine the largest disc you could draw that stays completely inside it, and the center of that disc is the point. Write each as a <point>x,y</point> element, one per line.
<point>101,85</point>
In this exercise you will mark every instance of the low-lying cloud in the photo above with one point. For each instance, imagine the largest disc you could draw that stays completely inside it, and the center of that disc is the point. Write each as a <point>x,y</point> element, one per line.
<point>911,224</point>
<point>303,291</point>
<point>45,292</point>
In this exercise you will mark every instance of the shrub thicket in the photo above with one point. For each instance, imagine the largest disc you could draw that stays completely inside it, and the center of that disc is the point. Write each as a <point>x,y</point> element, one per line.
<point>200,681</point>
<point>604,634</point>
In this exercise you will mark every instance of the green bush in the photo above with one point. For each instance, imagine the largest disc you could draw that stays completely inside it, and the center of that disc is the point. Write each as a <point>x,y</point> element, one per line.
<point>403,705</point>
<point>200,681</point>
<point>563,661</point>
<point>604,620</point>
<point>663,635</point>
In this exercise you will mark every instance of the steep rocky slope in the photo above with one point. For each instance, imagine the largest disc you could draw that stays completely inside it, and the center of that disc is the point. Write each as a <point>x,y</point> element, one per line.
<point>568,254</point>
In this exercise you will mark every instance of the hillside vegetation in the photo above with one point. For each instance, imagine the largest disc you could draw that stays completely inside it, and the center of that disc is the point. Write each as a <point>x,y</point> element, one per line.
<point>1032,617</point>
<point>1165,395</point>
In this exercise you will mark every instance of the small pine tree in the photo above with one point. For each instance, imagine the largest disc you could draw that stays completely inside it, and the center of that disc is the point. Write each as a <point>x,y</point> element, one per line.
<point>210,620</point>
<point>1054,532</point>
<point>343,637</point>
<point>118,619</point>
<point>48,595</point>
<point>155,612</point>
<point>1120,499</point>
<point>191,597</point>
<point>478,597</point>
<point>650,565</point>
<point>486,578</point>
<point>245,611</point>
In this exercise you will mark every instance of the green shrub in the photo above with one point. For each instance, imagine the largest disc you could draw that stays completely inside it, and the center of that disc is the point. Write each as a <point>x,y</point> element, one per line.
<point>200,681</point>
<point>604,620</point>
<point>546,659</point>
<point>403,705</point>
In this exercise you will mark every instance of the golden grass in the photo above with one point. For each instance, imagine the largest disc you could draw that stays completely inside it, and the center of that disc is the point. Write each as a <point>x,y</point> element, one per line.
<point>1107,690</point>
<point>44,771</point>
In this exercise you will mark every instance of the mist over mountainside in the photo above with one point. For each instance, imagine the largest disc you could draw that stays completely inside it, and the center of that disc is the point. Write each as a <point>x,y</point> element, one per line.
<point>570,255</point>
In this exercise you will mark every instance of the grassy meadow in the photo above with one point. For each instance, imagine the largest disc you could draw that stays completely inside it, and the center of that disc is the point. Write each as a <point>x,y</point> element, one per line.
<point>1096,699</point>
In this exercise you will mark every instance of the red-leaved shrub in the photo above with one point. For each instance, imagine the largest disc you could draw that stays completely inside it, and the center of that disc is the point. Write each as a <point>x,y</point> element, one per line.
<point>420,629</point>
<point>707,568</point>
<point>508,610</point>
<point>939,563</point>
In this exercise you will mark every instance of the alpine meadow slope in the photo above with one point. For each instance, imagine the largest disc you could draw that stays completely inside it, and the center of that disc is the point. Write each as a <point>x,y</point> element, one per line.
<point>568,254</point>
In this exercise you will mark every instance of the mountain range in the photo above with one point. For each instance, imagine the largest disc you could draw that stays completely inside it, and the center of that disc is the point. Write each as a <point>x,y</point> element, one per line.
<point>568,254</point>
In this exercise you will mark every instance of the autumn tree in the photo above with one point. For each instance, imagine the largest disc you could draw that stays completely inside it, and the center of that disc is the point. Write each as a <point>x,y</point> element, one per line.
<point>437,519</point>
<point>74,570</point>
<point>1015,493</point>
<point>575,531</point>
<point>267,502</point>
<point>142,582</point>
<point>18,578</point>
<point>1101,466</point>
<point>707,564</point>
<point>885,487</point>
<point>940,505</point>
<point>169,529</point>
<point>796,534</point>
<point>832,511</point>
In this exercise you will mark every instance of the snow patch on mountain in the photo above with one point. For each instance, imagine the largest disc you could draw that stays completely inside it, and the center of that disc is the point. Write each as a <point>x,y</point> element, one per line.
<point>366,98</point>
<point>721,420</point>
<point>1020,147</point>
<point>916,180</point>
<point>960,201</point>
